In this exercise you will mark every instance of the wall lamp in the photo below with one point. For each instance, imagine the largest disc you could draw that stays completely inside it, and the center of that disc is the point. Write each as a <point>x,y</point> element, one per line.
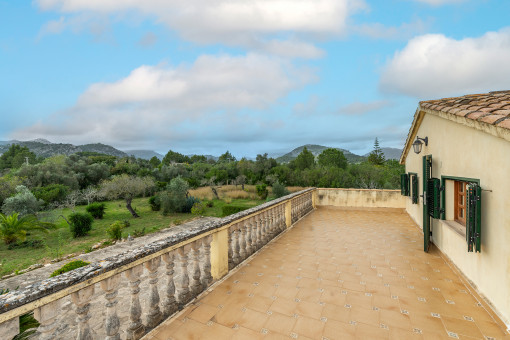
<point>418,143</point>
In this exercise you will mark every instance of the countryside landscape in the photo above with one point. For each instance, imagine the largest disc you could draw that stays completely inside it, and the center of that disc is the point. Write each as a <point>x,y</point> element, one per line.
<point>254,169</point>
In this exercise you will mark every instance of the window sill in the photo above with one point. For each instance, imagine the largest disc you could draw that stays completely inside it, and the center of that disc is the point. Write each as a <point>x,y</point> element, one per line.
<point>456,226</point>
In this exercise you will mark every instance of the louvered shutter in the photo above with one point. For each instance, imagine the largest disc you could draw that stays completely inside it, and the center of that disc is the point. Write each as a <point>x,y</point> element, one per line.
<point>473,217</point>
<point>404,184</point>
<point>434,197</point>
<point>414,185</point>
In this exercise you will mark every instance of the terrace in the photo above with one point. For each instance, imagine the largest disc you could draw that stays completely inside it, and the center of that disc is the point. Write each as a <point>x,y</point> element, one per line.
<point>318,264</point>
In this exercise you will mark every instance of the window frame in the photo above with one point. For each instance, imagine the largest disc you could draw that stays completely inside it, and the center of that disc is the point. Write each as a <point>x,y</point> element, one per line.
<point>443,192</point>
<point>458,206</point>
<point>411,187</point>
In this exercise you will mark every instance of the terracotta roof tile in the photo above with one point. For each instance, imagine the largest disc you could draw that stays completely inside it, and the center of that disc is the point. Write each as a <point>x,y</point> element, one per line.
<point>504,124</point>
<point>491,108</point>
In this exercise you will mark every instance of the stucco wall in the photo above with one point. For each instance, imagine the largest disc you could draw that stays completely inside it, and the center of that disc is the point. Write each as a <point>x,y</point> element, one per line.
<point>461,151</point>
<point>361,198</point>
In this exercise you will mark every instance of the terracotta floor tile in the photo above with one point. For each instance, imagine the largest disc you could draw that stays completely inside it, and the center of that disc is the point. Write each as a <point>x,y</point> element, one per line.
<point>340,274</point>
<point>308,327</point>
<point>280,323</point>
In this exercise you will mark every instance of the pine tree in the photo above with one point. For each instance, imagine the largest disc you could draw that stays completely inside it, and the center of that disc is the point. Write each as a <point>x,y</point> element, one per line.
<point>376,157</point>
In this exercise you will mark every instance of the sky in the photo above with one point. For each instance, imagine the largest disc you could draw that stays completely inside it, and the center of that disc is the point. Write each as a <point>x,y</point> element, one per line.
<point>248,76</point>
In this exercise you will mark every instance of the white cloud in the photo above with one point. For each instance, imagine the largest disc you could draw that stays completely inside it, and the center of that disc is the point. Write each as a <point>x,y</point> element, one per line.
<point>173,103</point>
<point>360,108</point>
<point>245,23</point>
<point>381,31</point>
<point>433,65</point>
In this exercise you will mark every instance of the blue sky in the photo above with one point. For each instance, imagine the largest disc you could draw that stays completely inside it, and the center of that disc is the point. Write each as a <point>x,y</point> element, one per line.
<point>250,76</point>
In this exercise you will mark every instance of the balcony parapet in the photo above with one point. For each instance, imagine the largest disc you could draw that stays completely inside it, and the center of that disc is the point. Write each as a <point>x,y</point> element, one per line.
<point>193,258</point>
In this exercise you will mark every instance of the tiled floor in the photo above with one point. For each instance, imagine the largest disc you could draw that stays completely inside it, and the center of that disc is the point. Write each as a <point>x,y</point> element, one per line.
<point>340,274</point>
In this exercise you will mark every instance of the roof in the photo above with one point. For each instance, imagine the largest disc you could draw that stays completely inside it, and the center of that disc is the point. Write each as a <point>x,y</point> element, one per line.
<point>488,112</point>
<point>492,108</point>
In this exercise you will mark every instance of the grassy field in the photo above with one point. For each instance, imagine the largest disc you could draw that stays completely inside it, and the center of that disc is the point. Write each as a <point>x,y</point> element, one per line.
<point>59,241</point>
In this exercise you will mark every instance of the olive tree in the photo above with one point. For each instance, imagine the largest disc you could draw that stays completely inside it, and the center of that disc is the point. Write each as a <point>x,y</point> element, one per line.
<point>127,187</point>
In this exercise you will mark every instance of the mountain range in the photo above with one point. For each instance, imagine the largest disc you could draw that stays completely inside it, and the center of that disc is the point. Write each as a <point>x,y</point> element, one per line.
<point>44,148</point>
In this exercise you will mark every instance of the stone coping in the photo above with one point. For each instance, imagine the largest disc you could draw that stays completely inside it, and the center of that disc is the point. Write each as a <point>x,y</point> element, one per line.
<point>53,285</point>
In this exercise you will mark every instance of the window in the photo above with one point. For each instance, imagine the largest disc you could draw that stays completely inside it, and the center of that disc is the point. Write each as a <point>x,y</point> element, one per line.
<point>459,204</point>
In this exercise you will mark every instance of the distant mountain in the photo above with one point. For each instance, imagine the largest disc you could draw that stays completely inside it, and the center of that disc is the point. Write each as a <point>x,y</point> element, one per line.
<point>390,153</point>
<point>44,148</point>
<point>317,150</point>
<point>144,154</point>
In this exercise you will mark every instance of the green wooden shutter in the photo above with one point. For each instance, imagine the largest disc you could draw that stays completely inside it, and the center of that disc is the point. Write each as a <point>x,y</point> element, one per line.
<point>414,185</point>
<point>404,184</point>
<point>473,217</point>
<point>434,197</point>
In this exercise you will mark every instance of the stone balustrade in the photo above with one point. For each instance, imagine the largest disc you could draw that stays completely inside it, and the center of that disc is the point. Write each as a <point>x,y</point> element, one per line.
<point>127,295</point>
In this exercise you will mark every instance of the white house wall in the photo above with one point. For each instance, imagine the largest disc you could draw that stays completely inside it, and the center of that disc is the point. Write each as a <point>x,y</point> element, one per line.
<point>461,151</point>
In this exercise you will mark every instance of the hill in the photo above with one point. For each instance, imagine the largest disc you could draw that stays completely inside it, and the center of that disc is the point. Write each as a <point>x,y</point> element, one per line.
<point>45,148</point>
<point>316,150</point>
<point>144,154</point>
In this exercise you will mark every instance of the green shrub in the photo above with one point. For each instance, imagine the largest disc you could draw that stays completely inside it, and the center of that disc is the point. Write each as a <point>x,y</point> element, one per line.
<point>24,202</point>
<point>155,203</point>
<point>209,204</point>
<point>69,266</point>
<point>138,233</point>
<point>262,191</point>
<point>231,209</point>
<point>115,230</point>
<point>52,193</point>
<point>279,190</point>
<point>26,244</point>
<point>96,209</point>
<point>81,223</point>
<point>198,209</point>
<point>174,199</point>
<point>190,202</point>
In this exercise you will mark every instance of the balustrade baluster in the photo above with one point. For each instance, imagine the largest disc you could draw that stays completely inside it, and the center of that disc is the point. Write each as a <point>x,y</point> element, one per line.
<point>195,284</point>
<point>242,242</point>
<point>136,329</point>
<point>170,305</point>
<point>47,317</point>
<point>82,299</point>
<point>230,248</point>
<point>154,316</point>
<point>110,286</point>
<point>254,234</point>
<point>182,285</point>
<point>206,277</point>
<point>260,235</point>
<point>236,256</point>
<point>9,329</point>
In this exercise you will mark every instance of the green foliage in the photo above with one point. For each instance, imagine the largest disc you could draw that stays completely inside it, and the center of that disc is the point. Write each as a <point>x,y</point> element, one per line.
<point>174,198</point>
<point>155,203</point>
<point>304,160</point>
<point>127,187</point>
<point>376,157</point>
<point>16,156</point>
<point>279,190</point>
<point>8,186</point>
<point>154,161</point>
<point>24,202</point>
<point>138,233</point>
<point>231,209</point>
<point>226,158</point>
<point>69,266</point>
<point>174,157</point>
<point>14,227</point>
<point>115,230</point>
<point>34,244</point>
<point>96,209</point>
<point>332,158</point>
<point>262,191</point>
<point>81,224</point>
<point>27,326</point>
<point>190,202</point>
<point>209,204</point>
<point>51,193</point>
<point>197,209</point>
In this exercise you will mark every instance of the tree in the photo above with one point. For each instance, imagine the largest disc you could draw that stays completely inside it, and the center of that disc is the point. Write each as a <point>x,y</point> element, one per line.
<point>127,187</point>
<point>16,156</point>
<point>14,227</point>
<point>24,202</point>
<point>154,161</point>
<point>376,157</point>
<point>174,198</point>
<point>226,158</point>
<point>174,157</point>
<point>332,157</point>
<point>304,160</point>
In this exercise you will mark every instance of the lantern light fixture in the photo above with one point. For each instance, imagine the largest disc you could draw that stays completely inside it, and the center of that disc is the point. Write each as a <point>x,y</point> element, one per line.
<point>418,144</point>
